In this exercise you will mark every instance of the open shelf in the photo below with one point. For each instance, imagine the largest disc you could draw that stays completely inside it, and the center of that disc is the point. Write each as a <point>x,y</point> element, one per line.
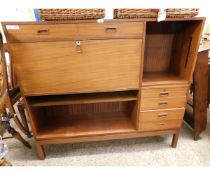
<point>74,120</point>
<point>98,124</point>
<point>169,51</point>
<point>85,98</point>
<point>159,78</point>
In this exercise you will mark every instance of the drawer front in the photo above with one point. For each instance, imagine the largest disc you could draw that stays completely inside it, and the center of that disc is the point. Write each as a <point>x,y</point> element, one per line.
<point>163,91</point>
<point>65,67</point>
<point>162,125</point>
<point>40,32</point>
<point>162,103</point>
<point>48,32</point>
<point>161,115</point>
<point>111,30</point>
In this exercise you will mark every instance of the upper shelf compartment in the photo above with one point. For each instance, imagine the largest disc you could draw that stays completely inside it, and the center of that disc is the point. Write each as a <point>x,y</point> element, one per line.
<point>159,78</point>
<point>170,51</point>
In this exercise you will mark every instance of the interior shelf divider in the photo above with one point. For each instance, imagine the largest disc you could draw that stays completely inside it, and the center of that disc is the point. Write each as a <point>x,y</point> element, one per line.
<point>85,98</point>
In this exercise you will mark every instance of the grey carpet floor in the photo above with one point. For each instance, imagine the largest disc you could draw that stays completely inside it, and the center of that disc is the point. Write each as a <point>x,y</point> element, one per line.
<point>150,151</point>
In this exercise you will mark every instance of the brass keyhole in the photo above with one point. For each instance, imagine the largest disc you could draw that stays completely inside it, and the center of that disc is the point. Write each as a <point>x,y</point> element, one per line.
<point>78,47</point>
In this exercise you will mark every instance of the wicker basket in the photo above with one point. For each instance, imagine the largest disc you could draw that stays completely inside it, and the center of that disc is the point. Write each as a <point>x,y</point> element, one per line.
<point>135,13</point>
<point>70,14</point>
<point>181,13</point>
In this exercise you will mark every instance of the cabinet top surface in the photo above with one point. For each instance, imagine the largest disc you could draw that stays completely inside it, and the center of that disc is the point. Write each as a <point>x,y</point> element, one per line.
<point>105,20</point>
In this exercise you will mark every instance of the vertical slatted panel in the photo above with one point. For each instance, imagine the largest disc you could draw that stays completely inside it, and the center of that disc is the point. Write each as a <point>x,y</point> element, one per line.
<point>158,52</point>
<point>67,111</point>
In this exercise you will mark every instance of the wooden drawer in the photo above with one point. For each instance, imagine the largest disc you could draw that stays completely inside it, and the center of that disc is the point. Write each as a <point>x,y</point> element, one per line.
<point>162,125</point>
<point>162,103</point>
<point>163,91</point>
<point>40,32</point>
<point>111,30</point>
<point>161,115</point>
<point>59,67</point>
<point>46,32</point>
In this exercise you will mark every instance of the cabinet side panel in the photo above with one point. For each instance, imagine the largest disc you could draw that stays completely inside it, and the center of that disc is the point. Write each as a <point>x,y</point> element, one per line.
<point>185,53</point>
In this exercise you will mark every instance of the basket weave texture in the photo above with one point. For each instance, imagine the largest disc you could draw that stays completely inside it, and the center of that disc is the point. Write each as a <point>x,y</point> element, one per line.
<point>181,13</point>
<point>125,13</point>
<point>71,14</point>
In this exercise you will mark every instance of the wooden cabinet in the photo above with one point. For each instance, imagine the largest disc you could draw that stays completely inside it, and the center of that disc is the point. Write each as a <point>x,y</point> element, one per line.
<point>197,101</point>
<point>88,81</point>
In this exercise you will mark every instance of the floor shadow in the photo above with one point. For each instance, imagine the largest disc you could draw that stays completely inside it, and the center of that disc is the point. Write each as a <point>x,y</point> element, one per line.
<point>114,146</point>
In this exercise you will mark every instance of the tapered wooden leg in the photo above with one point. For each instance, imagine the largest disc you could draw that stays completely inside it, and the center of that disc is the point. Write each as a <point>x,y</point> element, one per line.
<point>40,150</point>
<point>175,140</point>
<point>196,136</point>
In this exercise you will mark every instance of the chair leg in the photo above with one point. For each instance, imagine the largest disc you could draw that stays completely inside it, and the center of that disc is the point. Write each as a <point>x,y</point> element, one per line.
<point>24,120</point>
<point>17,135</point>
<point>4,162</point>
<point>3,128</point>
<point>15,117</point>
<point>19,124</point>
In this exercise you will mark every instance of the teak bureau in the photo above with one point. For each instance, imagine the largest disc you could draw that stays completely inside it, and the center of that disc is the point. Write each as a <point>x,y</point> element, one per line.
<point>88,81</point>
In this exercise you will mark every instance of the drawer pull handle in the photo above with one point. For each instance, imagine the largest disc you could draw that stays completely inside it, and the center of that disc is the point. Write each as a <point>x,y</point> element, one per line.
<point>111,29</point>
<point>163,103</point>
<point>164,94</point>
<point>161,124</point>
<point>43,32</point>
<point>78,47</point>
<point>162,115</point>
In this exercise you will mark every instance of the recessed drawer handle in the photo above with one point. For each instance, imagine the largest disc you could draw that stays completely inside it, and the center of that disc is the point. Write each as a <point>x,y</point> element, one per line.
<point>164,94</point>
<point>111,29</point>
<point>162,115</point>
<point>161,124</point>
<point>43,32</point>
<point>163,103</point>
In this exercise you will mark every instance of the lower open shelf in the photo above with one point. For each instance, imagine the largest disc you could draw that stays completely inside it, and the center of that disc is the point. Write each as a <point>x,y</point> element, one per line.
<point>93,124</point>
<point>77,120</point>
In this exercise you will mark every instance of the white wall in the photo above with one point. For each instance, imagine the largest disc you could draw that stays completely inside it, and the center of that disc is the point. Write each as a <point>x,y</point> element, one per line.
<point>21,10</point>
